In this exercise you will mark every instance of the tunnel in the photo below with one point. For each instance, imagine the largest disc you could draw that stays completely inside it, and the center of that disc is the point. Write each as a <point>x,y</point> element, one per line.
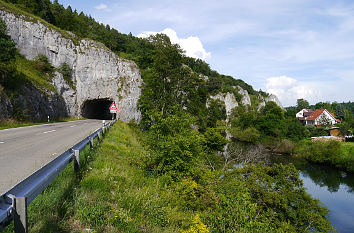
<point>97,109</point>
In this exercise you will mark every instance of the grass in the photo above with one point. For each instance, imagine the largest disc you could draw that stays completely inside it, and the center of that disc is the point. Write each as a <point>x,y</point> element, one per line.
<point>7,124</point>
<point>27,68</point>
<point>111,194</point>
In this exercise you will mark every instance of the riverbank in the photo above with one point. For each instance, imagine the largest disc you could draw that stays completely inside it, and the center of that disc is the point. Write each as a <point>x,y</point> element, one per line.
<point>332,186</point>
<point>332,153</point>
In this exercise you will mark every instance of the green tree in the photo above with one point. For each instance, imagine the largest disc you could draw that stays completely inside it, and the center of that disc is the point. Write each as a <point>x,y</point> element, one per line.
<point>340,113</point>
<point>7,54</point>
<point>271,121</point>
<point>176,147</point>
<point>214,140</point>
<point>301,104</point>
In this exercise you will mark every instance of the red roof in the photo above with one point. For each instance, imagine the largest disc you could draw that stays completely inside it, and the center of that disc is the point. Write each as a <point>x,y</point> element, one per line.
<point>315,114</point>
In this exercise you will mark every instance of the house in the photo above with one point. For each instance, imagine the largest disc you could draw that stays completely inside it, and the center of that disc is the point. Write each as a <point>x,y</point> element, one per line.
<point>316,117</point>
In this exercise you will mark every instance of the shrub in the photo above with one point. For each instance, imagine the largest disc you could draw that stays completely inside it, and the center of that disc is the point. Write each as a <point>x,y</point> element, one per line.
<point>260,198</point>
<point>66,71</point>
<point>250,134</point>
<point>42,64</point>
<point>176,147</point>
<point>214,140</point>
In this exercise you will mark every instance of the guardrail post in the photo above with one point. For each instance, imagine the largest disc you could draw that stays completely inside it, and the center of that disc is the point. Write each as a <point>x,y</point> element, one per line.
<point>91,142</point>
<point>76,160</point>
<point>19,205</point>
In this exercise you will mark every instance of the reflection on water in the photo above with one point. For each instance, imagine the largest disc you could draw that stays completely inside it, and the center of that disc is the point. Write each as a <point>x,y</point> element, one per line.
<point>332,187</point>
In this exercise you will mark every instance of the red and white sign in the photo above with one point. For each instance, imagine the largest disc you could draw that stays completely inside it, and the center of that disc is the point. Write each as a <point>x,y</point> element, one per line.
<point>113,108</point>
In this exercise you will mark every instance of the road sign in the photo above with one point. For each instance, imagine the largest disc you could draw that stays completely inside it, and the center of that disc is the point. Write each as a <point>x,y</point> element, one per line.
<point>113,107</point>
<point>113,111</point>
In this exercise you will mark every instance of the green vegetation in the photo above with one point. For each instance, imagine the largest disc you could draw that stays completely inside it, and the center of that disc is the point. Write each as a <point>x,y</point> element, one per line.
<point>66,71</point>
<point>334,153</point>
<point>38,72</point>
<point>7,54</point>
<point>119,192</point>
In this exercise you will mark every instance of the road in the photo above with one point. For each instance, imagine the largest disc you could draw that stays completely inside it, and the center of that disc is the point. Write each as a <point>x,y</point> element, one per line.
<point>24,150</point>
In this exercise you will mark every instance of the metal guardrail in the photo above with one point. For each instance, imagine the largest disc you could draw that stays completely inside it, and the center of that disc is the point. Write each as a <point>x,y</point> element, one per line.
<point>13,204</point>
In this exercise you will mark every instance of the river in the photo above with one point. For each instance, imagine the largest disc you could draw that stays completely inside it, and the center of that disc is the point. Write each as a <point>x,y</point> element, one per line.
<point>333,187</point>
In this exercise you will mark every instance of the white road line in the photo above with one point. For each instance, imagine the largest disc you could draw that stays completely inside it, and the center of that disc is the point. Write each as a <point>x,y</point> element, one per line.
<point>72,126</point>
<point>2,142</point>
<point>50,131</point>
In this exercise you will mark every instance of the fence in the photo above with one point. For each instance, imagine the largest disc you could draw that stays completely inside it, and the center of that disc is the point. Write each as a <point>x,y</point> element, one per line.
<point>13,204</point>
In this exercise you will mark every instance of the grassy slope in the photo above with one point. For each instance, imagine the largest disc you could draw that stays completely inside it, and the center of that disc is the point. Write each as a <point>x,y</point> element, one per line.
<point>27,70</point>
<point>114,195</point>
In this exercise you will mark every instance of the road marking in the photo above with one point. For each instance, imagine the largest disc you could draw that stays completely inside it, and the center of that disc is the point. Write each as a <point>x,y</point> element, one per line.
<point>72,126</point>
<point>50,131</point>
<point>2,142</point>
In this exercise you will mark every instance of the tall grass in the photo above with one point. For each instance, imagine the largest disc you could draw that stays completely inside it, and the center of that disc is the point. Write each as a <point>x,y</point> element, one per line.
<point>111,194</point>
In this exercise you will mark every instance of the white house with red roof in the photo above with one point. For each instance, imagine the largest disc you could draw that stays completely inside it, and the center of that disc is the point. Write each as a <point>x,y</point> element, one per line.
<point>316,117</point>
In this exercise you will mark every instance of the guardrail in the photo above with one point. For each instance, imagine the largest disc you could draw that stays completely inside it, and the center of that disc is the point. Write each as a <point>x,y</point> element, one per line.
<point>13,204</point>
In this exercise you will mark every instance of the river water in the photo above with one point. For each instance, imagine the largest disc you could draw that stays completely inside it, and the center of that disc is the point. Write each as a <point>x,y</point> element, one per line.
<point>333,187</point>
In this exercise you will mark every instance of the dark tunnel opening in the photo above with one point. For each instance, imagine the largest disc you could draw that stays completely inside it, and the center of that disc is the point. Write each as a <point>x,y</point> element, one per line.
<point>97,109</point>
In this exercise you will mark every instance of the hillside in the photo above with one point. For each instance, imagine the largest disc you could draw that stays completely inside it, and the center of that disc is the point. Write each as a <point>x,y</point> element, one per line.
<point>85,73</point>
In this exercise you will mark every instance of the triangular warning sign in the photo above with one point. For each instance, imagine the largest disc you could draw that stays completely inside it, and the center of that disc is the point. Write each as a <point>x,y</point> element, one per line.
<point>113,106</point>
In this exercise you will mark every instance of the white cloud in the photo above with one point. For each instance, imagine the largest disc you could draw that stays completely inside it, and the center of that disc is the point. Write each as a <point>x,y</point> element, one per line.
<point>102,6</point>
<point>192,45</point>
<point>288,90</point>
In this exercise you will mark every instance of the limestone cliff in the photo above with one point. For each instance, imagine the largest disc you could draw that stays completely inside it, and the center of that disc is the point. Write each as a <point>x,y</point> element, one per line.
<point>271,97</point>
<point>98,73</point>
<point>230,101</point>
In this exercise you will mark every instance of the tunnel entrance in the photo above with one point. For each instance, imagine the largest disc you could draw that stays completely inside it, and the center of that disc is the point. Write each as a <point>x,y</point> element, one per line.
<point>97,109</point>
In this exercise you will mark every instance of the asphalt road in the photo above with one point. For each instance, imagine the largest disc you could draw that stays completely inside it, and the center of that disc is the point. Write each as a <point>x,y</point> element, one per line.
<point>24,150</point>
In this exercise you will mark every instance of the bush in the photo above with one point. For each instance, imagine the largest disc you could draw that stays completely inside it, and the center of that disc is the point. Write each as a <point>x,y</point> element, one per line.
<point>313,131</point>
<point>250,134</point>
<point>319,151</point>
<point>261,198</point>
<point>214,140</point>
<point>66,71</point>
<point>176,147</point>
<point>42,64</point>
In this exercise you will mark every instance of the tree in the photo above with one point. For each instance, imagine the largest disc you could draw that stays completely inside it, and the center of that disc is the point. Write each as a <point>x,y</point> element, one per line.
<point>271,121</point>
<point>301,104</point>
<point>340,113</point>
<point>7,53</point>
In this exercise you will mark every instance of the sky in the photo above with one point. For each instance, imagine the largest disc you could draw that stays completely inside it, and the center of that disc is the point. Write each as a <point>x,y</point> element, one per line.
<point>291,48</point>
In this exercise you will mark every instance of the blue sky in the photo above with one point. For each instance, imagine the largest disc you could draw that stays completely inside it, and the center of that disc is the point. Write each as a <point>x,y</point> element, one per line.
<point>292,48</point>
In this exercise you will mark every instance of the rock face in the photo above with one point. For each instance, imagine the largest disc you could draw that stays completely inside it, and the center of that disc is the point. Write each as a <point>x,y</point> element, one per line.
<point>271,97</point>
<point>246,100</point>
<point>229,101</point>
<point>97,72</point>
<point>6,109</point>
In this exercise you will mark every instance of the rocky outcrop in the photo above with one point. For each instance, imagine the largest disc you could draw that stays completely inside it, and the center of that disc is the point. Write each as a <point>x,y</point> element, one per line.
<point>98,73</point>
<point>33,104</point>
<point>229,100</point>
<point>271,97</point>
<point>246,100</point>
